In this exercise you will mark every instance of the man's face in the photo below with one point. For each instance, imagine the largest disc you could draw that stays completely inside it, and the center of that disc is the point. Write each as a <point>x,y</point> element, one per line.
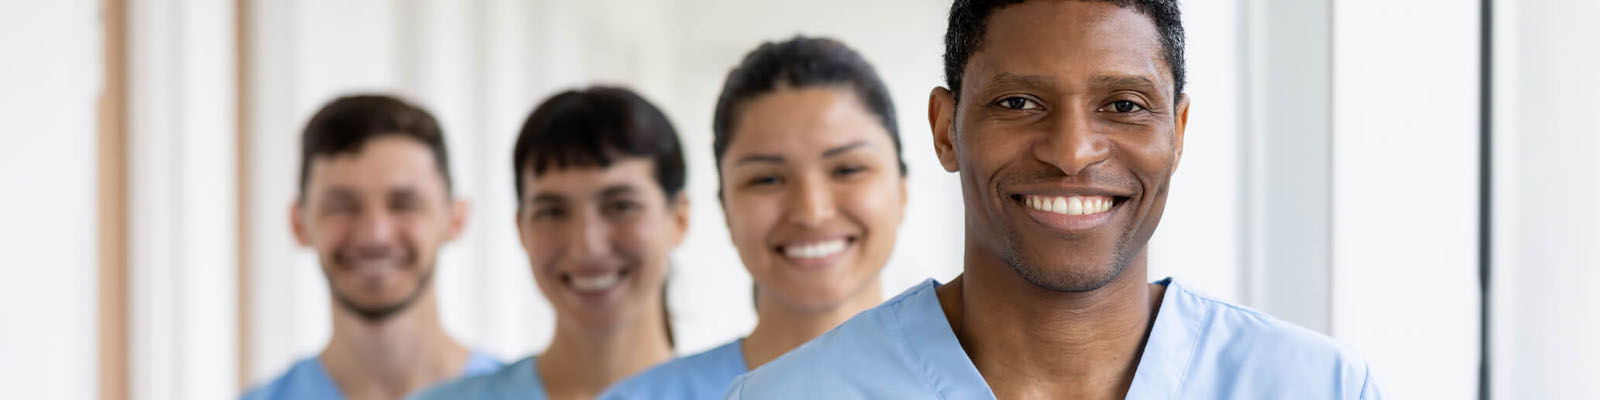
<point>1065,135</point>
<point>376,219</point>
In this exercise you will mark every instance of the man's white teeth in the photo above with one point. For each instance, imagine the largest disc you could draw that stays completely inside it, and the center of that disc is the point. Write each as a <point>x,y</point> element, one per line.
<point>815,250</point>
<point>596,282</point>
<point>1069,205</point>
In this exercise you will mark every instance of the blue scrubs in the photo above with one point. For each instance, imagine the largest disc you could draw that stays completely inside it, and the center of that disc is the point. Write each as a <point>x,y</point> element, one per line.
<point>307,380</point>
<point>519,380</point>
<point>1199,348</point>
<point>701,376</point>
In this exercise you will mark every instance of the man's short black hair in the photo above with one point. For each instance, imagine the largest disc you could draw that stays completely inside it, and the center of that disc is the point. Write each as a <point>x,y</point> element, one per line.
<point>592,126</point>
<point>800,62</point>
<point>970,18</point>
<point>347,123</point>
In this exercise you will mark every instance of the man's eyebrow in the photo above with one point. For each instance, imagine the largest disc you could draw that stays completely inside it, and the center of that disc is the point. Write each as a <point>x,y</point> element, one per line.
<point>547,198</point>
<point>1122,81</point>
<point>1010,78</point>
<point>339,192</point>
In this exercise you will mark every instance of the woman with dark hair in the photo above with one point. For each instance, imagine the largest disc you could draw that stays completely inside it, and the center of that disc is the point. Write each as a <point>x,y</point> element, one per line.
<point>814,191</point>
<point>599,177</point>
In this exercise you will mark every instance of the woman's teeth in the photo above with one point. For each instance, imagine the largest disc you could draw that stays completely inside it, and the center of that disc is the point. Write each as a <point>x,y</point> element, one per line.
<point>596,282</point>
<point>815,250</point>
<point>1069,205</point>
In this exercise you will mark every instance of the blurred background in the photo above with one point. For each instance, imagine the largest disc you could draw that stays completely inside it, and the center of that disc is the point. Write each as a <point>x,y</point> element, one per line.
<point>1414,178</point>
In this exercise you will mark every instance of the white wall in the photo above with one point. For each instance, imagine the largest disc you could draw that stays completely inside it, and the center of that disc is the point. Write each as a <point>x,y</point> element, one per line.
<point>1546,243</point>
<point>181,200</point>
<point>1405,192</point>
<point>49,83</point>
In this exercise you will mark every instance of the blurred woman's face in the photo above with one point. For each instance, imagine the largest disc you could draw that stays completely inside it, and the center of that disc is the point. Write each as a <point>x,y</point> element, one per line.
<point>813,195</point>
<point>598,240</point>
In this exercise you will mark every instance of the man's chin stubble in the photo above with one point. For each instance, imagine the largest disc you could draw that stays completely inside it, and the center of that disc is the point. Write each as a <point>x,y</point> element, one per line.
<point>1067,279</point>
<point>379,314</point>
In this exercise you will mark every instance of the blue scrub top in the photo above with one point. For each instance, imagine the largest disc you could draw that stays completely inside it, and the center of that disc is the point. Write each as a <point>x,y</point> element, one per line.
<point>519,380</point>
<point>701,376</point>
<point>307,380</point>
<point>1199,348</point>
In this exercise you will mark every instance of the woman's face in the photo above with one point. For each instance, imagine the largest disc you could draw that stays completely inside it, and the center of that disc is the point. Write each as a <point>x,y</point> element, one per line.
<point>813,195</point>
<point>598,240</point>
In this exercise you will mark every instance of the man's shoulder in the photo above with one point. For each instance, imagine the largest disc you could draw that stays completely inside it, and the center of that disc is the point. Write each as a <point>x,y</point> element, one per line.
<point>1251,345</point>
<point>1244,328</point>
<point>304,380</point>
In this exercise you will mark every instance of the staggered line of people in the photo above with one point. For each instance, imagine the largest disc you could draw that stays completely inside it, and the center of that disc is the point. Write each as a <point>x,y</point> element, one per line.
<point>1063,120</point>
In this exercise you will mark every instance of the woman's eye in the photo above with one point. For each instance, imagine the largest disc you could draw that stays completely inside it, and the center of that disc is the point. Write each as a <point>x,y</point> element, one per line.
<point>763,181</point>
<point>1122,106</point>
<point>848,170</point>
<point>1018,103</point>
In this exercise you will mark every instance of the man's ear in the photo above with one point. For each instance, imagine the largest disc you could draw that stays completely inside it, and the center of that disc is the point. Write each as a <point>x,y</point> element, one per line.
<point>522,234</point>
<point>680,215</point>
<point>297,223</point>
<point>1180,121</point>
<point>459,210</point>
<point>941,117</point>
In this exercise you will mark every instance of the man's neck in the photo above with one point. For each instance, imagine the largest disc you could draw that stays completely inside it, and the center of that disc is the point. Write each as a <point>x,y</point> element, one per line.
<point>579,364</point>
<point>393,357</point>
<point>1054,344</point>
<point>782,327</point>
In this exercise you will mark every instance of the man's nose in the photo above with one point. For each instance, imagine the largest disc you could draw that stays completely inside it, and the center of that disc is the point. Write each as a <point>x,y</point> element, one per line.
<point>1072,144</point>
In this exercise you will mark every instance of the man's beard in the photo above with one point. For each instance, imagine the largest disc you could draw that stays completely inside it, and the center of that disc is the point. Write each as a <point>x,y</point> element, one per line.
<point>1071,281</point>
<point>381,313</point>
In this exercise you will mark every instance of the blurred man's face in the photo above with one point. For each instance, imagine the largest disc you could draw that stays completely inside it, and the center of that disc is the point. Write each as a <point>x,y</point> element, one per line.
<point>376,219</point>
<point>1065,136</point>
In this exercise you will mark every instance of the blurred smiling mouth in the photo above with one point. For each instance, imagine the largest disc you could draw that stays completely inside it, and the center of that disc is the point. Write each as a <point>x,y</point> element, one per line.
<point>816,253</point>
<point>815,250</point>
<point>596,282</point>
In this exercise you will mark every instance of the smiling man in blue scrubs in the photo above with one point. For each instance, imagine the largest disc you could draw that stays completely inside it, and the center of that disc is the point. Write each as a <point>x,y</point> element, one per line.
<point>375,203</point>
<point>1065,122</point>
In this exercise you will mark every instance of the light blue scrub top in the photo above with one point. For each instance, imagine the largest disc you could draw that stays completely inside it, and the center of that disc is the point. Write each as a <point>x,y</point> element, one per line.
<point>307,380</point>
<point>701,376</point>
<point>519,380</point>
<point>1199,348</point>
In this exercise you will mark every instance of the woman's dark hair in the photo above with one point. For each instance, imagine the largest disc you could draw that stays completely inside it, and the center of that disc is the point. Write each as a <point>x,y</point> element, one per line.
<point>590,127</point>
<point>800,62</point>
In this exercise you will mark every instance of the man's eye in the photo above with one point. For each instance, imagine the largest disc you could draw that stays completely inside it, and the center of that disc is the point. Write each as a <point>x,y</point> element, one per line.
<point>540,214</point>
<point>1018,103</point>
<point>619,207</point>
<point>1122,106</point>
<point>763,181</point>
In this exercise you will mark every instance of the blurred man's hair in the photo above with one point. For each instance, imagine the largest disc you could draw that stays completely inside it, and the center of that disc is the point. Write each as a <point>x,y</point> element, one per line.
<point>346,124</point>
